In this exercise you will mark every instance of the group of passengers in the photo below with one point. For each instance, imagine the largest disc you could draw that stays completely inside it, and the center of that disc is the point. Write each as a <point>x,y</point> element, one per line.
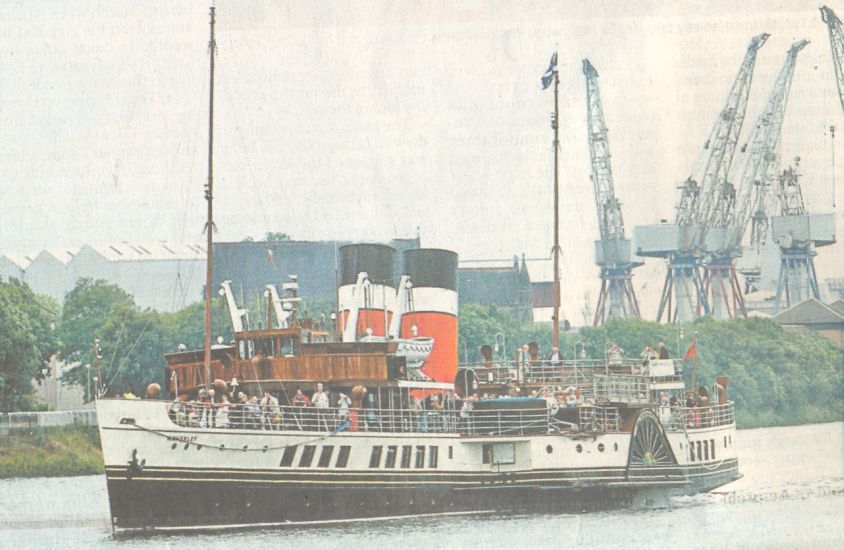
<point>216,409</point>
<point>335,410</point>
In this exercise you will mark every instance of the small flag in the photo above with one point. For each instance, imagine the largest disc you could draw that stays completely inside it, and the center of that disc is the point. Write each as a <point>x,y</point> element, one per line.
<point>548,77</point>
<point>691,353</point>
<point>269,255</point>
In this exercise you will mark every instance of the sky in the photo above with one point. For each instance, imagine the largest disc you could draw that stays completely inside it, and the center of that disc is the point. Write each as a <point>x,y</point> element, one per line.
<point>376,120</point>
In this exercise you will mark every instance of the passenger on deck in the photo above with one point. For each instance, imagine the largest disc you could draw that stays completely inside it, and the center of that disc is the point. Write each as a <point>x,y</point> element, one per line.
<point>271,412</point>
<point>211,409</point>
<point>434,414</point>
<point>238,415</point>
<point>320,398</point>
<point>300,399</point>
<point>615,355</point>
<point>464,423</point>
<point>555,358</point>
<point>647,356</point>
<point>370,403</point>
<point>663,351</point>
<point>343,406</point>
<point>221,420</point>
<point>254,413</point>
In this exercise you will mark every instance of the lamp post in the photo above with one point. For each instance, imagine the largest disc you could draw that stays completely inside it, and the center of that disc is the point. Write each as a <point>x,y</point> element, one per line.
<point>44,372</point>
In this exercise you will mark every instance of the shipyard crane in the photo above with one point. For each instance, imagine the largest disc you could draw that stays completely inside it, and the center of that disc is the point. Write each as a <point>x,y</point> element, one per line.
<point>798,234</point>
<point>734,212</point>
<point>683,243</point>
<point>612,251</point>
<point>836,42</point>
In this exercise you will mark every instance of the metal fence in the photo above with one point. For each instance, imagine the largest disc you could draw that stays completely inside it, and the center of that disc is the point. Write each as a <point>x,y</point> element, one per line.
<point>27,422</point>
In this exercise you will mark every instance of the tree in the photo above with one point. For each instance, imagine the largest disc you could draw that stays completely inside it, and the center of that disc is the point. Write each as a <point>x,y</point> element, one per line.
<point>187,326</point>
<point>27,342</point>
<point>86,308</point>
<point>776,376</point>
<point>276,236</point>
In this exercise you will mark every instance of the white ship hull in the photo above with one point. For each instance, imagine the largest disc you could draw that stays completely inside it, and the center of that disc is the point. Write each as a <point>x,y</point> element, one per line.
<point>162,475</point>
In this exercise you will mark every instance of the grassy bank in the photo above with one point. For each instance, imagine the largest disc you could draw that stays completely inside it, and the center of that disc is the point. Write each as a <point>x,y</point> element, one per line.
<point>70,451</point>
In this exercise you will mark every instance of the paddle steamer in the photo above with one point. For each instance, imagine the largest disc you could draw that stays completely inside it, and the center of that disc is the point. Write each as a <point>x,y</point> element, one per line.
<point>398,429</point>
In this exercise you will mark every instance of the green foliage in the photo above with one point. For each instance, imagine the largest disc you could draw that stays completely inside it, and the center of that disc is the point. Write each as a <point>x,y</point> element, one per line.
<point>777,377</point>
<point>187,326</point>
<point>132,341</point>
<point>276,236</point>
<point>86,308</point>
<point>69,451</point>
<point>27,341</point>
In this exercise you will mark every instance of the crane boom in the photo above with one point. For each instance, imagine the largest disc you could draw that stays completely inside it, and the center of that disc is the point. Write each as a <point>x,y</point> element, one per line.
<point>703,190</point>
<point>761,165</point>
<point>836,42</point>
<point>610,221</point>
<point>617,297</point>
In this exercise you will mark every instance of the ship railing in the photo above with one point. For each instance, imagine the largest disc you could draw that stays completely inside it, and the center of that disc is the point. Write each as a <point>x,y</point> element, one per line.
<point>313,419</point>
<point>621,388</point>
<point>599,419</point>
<point>558,373</point>
<point>702,417</point>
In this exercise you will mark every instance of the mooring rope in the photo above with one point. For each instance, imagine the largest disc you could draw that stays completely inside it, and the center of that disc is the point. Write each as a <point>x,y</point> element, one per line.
<point>246,448</point>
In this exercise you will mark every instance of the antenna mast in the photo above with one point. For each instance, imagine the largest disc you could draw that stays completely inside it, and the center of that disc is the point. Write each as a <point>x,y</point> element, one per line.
<point>209,196</point>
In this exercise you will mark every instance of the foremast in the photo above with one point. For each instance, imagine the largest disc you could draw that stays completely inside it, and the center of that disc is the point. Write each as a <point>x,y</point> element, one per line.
<point>209,198</point>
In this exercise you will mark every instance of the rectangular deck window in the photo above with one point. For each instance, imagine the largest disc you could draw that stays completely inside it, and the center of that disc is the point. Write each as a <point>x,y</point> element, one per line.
<point>375,459</point>
<point>420,456</point>
<point>308,453</point>
<point>325,456</point>
<point>699,451</point>
<point>406,451</point>
<point>450,452</point>
<point>433,456</point>
<point>343,456</point>
<point>287,457</point>
<point>692,451</point>
<point>390,460</point>
<point>712,447</point>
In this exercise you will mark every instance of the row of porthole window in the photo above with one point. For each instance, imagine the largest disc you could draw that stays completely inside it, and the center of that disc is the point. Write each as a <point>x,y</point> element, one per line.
<point>579,448</point>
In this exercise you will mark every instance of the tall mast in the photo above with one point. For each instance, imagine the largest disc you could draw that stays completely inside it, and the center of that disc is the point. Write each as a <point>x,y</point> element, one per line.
<point>555,122</point>
<point>209,197</point>
<point>551,75</point>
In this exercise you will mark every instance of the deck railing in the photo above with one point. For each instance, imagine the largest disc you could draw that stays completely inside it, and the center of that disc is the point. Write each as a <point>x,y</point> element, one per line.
<point>702,417</point>
<point>599,419</point>
<point>621,388</point>
<point>313,419</point>
<point>559,373</point>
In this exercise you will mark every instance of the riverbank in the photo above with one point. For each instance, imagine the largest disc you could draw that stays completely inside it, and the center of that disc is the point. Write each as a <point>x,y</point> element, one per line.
<point>51,452</point>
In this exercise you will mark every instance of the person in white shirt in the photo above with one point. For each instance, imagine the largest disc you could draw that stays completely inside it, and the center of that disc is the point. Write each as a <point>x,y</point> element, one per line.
<point>320,398</point>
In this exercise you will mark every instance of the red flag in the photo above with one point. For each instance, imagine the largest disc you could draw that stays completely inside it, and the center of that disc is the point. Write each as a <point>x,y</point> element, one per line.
<point>691,353</point>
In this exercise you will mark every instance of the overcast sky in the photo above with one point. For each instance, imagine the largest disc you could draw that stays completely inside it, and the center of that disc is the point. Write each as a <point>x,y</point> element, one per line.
<point>368,120</point>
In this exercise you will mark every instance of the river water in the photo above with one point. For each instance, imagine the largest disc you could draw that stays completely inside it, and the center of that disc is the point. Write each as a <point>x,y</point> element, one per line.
<point>791,496</point>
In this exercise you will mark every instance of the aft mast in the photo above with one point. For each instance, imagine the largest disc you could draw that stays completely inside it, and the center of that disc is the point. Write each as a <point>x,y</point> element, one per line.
<point>209,195</point>
<point>552,76</point>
